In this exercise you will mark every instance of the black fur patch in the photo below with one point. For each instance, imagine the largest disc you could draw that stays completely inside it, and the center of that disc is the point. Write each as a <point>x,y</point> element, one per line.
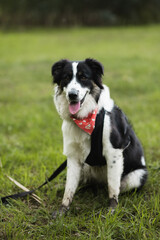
<point>123,137</point>
<point>144,178</point>
<point>97,70</point>
<point>62,73</point>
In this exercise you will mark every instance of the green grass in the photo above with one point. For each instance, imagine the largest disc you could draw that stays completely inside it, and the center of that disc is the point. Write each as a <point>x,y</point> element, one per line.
<point>31,139</point>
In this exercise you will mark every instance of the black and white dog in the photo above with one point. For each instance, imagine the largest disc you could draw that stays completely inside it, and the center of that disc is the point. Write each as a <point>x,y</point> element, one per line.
<point>98,140</point>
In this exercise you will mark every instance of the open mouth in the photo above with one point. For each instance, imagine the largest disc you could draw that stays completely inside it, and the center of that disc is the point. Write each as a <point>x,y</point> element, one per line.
<point>75,106</point>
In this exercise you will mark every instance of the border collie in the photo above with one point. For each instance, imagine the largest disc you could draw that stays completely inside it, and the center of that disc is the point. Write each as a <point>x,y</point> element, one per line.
<point>98,140</point>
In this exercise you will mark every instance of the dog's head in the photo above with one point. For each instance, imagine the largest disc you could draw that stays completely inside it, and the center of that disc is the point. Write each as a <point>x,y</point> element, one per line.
<point>77,79</point>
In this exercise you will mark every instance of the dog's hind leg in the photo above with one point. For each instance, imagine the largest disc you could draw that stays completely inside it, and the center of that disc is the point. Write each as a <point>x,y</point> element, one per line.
<point>134,180</point>
<point>72,182</point>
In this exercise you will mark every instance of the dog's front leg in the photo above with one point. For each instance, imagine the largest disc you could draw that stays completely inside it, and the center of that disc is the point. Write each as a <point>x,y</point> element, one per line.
<point>114,173</point>
<point>72,181</point>
<point>73,177</point>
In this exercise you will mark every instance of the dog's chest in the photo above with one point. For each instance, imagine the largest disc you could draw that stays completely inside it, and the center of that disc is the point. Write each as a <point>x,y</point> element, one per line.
<point>76,143</point>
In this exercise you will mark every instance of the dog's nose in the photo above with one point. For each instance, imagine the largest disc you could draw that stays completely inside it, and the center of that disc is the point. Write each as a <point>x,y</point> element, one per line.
<point>73,94</point>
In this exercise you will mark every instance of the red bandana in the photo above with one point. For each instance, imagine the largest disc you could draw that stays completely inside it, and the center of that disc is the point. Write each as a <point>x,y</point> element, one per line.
<point>87,124</point>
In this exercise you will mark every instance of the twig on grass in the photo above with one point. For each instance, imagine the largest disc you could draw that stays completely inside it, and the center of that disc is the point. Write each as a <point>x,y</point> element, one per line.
<point>38,199</point>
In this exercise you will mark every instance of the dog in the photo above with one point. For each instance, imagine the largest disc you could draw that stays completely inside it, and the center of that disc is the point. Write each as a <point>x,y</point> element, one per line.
<point>98,140</point>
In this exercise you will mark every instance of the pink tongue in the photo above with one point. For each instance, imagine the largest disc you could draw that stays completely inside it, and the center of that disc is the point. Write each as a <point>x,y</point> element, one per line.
<point>74,108</point>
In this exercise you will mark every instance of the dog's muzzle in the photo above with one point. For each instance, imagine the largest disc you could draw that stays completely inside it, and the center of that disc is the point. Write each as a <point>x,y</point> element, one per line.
<point>74,101</point>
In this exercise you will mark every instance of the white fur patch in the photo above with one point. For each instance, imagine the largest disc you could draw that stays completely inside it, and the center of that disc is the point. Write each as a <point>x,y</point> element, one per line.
<point>74,68</point>
<point>143,161</point>
<point>105,101</point>
<point>132,180</point>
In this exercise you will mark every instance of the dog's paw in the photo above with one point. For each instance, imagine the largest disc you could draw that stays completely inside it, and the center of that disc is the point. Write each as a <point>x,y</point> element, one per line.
<point>61,212</point>
<point>112,205</point>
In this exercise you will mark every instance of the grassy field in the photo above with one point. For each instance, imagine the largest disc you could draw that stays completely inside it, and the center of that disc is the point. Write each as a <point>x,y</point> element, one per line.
<point>31,139</point>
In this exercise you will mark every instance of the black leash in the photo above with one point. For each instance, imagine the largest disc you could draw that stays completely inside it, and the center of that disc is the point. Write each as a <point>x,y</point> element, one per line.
<point>23,194</point>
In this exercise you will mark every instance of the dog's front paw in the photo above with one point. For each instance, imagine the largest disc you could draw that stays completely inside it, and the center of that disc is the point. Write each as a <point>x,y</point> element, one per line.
<point>59,213</point>
<point>112,205</point>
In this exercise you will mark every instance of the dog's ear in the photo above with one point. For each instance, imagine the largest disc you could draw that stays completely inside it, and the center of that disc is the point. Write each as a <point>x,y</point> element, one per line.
<point>57,70</point>
<point>97,69</point>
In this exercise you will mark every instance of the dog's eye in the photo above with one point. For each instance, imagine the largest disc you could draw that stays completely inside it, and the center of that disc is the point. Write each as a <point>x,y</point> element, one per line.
<point>67,77</point>
<point>83,78</point>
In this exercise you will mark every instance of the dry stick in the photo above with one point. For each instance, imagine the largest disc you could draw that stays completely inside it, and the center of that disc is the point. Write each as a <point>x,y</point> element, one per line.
<point>38,199</point>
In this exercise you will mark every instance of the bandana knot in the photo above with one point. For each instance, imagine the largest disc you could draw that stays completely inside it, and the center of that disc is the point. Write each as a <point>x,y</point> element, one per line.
<point>87,124</point>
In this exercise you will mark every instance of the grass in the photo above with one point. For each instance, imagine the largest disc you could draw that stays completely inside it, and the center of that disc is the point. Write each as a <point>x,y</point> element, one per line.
<point>31,139</point>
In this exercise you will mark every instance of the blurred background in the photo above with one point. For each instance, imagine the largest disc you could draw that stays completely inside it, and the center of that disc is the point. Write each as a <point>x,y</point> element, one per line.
<point>83,12</point>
